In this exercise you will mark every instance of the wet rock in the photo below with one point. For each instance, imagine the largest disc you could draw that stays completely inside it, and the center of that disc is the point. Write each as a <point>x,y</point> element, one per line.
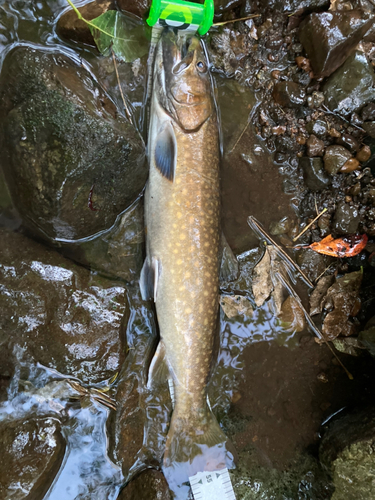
<point>346,219</point>
<point>347,452</point>
<point>317,127</point>
<point>57,313</point>
<point>150,484</point>
<point>370,128</point>
<point>70,27</point>
<point>71,164</point>
<point>289,94</point>
<point>349,166</point>
<point>139,7</point>
<point>312,263</point>
<point>330,37</point>
<point>351,86</point>
<point>118,253</point>
<point>315,100</point>
<point>291,316</point>
<point>364,154</point>
<point>335,158</point>
<point>368,112</point>
<point>315,146</point>
<point>314,175</point>
<point>31,454</point>
<point>349,142</point>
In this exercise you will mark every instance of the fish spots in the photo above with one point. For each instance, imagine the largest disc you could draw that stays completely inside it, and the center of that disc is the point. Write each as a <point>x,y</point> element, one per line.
<point>182,236</point>
<point>200,309</point>
<point>179,262</point>
<point>188,310</point>
<point>178,215</point>
<point>205,293</point>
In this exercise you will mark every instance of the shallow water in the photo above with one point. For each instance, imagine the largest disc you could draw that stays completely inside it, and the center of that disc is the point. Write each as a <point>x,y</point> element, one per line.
<point>266,387</point>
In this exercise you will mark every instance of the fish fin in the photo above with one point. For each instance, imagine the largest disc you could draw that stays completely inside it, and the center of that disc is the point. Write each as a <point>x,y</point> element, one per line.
<point>149,279</point>
<point>195,443</point>
<point>159,370</point>
<point>229,270</point>
<point>165,152</point>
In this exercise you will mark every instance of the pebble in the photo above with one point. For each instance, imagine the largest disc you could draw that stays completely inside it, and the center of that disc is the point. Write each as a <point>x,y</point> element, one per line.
<point>349,166</point>
<point>314,175</point>
<point>315,100</point>
<point>346,219</point>
<point>317,127</point>
<point>335,158</point>
<point>350,142</point>
<point>356,189</point>
<point>333,132</point>
<point>364,154</point>
<point>315,146</point>
<point>303,63</point>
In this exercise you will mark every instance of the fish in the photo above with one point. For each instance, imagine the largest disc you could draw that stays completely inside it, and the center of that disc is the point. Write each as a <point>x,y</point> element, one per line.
<point>183,239</point>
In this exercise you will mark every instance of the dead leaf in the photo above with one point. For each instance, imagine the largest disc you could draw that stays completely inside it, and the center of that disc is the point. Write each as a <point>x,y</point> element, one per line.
<point>348,345</point>
<point>340,247</point>
<point>291,316</point>
<point>263,285</point>
<point>343,302</point>
<point>236,305</point>
<point>319,293</point>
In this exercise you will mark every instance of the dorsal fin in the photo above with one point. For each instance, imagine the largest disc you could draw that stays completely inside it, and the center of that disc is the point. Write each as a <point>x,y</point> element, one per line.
<point>165,152</point>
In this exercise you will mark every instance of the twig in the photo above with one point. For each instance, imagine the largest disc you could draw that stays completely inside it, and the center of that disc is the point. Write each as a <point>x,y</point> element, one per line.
<point>257,228</point>
<point>321,274</point>
<point>235,20</point>
<point>251,114</point>
<point>119,85</point>
<point>329,112</point>
<point>310,322</point>
<point>309,225</point>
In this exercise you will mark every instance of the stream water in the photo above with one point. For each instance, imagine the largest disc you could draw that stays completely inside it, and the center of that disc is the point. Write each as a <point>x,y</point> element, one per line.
<point>272,387</point>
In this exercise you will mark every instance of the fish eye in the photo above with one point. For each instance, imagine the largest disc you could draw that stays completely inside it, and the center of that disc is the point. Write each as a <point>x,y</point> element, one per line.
<point>201,66</point>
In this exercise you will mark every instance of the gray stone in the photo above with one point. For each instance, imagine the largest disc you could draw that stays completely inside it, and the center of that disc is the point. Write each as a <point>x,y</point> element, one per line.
<point>315,146</point>
<point>314,175</point>
<point>335,158</point>
<point>351,86</point>
<point>330,37</point>
<point>57,313</point>
<point>71,163</point>
<point>31,454</point>
<point>346,219</point>
<point>367,338</point>
<point>370,128</point>
<point>317,127</point>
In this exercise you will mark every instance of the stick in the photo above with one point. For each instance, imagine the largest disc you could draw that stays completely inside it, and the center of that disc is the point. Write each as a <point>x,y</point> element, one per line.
<point>257,228</point>
<point>311,324</point>
<point>119,85</point>
<point>309,225</point>
<point>235,20</point>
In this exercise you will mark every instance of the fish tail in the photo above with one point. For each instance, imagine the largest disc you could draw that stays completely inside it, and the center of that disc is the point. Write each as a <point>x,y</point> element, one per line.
<point>195,443</point>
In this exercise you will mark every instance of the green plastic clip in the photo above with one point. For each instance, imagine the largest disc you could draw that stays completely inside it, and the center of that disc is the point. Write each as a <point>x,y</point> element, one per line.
<point>182,15</point>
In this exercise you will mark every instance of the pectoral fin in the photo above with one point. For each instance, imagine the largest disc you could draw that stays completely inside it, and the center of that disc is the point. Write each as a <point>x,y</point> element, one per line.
<point>165,152</point>
<point>159,369</point>
<point>149,279</point>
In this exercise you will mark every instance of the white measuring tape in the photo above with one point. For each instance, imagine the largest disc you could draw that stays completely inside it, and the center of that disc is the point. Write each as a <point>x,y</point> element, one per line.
<point>212,486</point>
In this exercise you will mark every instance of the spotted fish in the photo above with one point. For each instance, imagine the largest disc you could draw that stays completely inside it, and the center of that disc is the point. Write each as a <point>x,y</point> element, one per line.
<point>182,216</point>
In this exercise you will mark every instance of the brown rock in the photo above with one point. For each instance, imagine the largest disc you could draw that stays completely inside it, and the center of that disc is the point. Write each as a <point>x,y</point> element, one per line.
<point>303,63</point>
<point>330,37</point>
<point>315,146</point>
<point>138,7</point>
<point>363,154</point>
<point>349,166</point>
<point>149,485</point>
<point>72,28</point>
<point>335,158</point>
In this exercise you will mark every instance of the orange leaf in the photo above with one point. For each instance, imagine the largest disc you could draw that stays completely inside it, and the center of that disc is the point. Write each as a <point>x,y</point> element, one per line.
<point>341,247</point>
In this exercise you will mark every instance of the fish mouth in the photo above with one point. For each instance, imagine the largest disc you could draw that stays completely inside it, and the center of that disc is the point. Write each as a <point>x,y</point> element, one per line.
<point>190,100</point>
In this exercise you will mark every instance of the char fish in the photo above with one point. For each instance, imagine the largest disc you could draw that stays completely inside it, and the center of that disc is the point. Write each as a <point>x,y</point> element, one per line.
<point>181,270</point>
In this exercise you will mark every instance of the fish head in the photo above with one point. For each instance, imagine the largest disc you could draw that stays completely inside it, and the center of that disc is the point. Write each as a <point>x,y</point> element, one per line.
<point>183,83</point>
